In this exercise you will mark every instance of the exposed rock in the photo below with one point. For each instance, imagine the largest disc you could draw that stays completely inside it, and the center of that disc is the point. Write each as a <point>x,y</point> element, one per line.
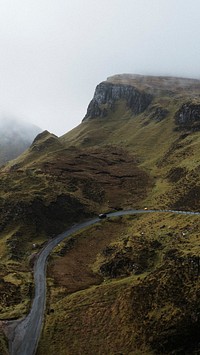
<point>43,141</point>
<point>175,174</point>
<point>158,113</point>
<point>107,94</point>
<point>188,116</point>
<point>120,266</point>
<point>127,260</point>
<point>43,135</point>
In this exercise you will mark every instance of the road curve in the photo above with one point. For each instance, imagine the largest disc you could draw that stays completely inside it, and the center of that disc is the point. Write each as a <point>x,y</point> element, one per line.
<point>26,335</point>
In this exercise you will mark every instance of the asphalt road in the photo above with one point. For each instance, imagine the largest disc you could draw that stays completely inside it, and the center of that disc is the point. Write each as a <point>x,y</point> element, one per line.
<point>27,333</point>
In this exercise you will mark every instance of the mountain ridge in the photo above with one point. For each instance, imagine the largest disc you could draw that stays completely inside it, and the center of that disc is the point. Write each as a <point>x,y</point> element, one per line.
<point>155,81</point>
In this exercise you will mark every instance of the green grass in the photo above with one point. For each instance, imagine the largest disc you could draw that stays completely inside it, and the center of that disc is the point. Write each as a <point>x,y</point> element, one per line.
<point>3,344</point>
<point>104,311</point>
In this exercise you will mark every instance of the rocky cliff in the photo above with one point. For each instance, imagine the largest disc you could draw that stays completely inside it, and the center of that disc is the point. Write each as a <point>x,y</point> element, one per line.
<point>140,94</point>
<point>107,94</point>
<point>188,116</point>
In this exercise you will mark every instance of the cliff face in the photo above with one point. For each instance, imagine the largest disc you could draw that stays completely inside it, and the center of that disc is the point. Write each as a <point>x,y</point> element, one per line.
<point>140,94</point>
<point>107,94</point>
<point>188,116</point>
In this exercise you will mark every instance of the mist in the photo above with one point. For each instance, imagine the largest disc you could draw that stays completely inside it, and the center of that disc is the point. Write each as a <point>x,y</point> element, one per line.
<point>15,137</point>
<point>55,52</point>
<point>11,126</point>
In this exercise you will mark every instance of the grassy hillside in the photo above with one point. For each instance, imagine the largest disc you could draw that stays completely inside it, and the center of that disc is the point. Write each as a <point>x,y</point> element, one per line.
<point>135,289</point>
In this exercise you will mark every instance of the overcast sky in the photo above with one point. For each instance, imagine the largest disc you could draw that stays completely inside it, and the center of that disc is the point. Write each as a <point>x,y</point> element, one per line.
<point>53,53</point>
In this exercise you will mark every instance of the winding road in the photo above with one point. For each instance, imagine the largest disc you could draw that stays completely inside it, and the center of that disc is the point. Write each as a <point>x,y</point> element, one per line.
<point>25,337</point>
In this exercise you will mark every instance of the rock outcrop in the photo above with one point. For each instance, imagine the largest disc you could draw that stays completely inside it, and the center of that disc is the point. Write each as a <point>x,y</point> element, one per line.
<point>188,116</point>
<point>157,113</point>
<point>45,140</point>
<point>107,94</point>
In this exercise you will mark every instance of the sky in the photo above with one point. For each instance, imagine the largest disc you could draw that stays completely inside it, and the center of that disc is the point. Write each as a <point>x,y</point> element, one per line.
<point>53,53</point>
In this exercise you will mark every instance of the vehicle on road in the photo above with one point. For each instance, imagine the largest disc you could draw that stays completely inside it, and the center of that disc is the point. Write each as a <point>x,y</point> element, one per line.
<point>25,336</point>
<point>102,215</point>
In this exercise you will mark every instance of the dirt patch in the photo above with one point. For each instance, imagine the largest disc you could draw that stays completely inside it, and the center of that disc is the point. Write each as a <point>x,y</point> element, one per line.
<point>101,175</point>
<point>74,269</point>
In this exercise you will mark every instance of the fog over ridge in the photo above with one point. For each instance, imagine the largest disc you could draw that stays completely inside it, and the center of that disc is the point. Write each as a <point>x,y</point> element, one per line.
<point>54,53</point>
<point>10,125</point>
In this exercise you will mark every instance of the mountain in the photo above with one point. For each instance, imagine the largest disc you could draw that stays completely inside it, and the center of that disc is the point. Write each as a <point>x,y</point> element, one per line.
<point>15,137</point>
<point>127,285</point>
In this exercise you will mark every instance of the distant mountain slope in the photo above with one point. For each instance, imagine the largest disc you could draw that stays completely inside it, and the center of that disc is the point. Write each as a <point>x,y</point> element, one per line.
<point>15,137</point>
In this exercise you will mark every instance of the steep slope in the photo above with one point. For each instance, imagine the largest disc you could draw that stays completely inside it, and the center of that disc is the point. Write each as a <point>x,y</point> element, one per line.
<point>128,285</point>
<point>15,137</point>
<point>77,183</point>
<point>49,187</point>
<point>164,137</point>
